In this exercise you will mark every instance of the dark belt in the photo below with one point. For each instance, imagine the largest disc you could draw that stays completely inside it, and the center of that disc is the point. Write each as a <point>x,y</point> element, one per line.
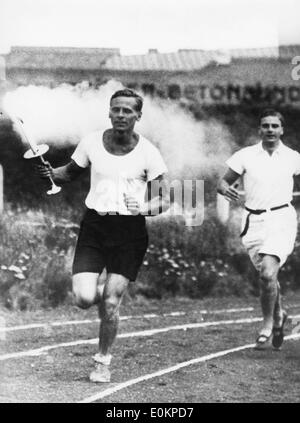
<point>259,211</point>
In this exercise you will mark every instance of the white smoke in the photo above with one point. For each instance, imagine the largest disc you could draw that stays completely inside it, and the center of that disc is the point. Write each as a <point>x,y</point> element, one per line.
<point>187,145</point>
<point>63,115</point>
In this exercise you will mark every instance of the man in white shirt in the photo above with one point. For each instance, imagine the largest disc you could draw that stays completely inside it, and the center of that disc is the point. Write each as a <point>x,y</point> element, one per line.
<point>113,234</point>
<point>269,221</point>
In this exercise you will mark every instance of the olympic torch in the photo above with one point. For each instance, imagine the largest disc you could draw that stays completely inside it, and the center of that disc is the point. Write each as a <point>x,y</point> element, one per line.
<point>35,149</point>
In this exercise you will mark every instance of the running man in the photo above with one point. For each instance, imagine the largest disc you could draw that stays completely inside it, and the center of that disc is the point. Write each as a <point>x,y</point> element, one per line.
<point>113,233</point>
<point>269,220</point>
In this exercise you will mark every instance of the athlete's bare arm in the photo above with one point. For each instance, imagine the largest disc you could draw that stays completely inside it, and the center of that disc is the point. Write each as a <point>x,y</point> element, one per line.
<point>60,175</point>
<point>225,185</point>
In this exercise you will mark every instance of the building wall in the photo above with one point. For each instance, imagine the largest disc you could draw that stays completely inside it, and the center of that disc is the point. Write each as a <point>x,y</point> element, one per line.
<point>243,80</point>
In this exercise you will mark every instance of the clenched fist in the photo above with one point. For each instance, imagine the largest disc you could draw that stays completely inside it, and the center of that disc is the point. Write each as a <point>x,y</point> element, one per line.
<point>44,170</point>
<point>132,204</point>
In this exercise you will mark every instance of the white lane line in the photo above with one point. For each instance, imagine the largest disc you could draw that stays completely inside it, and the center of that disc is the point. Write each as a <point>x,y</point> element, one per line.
<point>174,368</point>
<point>44,325</point>
<point>144,316</point>
<point>148,332</point>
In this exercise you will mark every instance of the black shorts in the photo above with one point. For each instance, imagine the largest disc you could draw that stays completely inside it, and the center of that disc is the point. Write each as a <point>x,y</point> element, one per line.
<point>117,242</point>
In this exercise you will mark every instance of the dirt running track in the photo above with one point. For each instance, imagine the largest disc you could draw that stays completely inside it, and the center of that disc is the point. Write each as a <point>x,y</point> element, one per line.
<point>146,355</point>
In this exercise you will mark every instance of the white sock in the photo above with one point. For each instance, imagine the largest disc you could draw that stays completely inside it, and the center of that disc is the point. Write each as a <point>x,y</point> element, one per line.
<point>103,359</point>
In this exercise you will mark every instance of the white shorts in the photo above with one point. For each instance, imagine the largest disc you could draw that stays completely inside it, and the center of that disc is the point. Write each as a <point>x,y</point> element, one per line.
<point>273,233</point>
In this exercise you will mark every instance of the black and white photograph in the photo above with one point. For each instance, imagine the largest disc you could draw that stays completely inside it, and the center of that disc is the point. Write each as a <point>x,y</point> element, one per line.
<point>149,204</point>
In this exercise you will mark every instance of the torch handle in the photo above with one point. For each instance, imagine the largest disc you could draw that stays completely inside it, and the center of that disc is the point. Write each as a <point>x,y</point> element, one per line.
<point>38,153</point>
<point>54,188</point>
<point>50,177</point>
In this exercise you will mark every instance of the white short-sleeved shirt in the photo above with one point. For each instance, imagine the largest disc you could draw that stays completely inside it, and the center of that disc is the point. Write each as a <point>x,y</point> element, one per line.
<point>268,180</point>
<point>113,176</point>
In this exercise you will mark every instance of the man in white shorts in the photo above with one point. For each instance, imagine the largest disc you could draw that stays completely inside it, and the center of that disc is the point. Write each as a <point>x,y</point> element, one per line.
<point>113,235</point>
<point>269,223</point>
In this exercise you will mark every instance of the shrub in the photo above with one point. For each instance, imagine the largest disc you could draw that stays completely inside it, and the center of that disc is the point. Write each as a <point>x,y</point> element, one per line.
<point>35,255</point>
<point>193,261</point>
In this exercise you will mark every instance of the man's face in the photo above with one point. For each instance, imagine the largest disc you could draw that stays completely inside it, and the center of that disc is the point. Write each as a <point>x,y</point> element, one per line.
<point>123,114</point>
<point>270,129</point>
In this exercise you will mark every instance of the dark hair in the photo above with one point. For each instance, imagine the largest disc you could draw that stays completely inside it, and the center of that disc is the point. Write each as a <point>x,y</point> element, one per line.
<point>127,92</point>
<point>272,112</point>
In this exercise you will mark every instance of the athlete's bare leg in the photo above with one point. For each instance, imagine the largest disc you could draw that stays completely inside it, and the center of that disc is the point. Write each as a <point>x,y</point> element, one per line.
<point>270,296</point>
<point>85,289</point>
<point>114,289</point>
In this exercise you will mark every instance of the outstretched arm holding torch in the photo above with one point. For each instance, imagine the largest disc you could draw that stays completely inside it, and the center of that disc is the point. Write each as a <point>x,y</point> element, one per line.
<point>60,175</point>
